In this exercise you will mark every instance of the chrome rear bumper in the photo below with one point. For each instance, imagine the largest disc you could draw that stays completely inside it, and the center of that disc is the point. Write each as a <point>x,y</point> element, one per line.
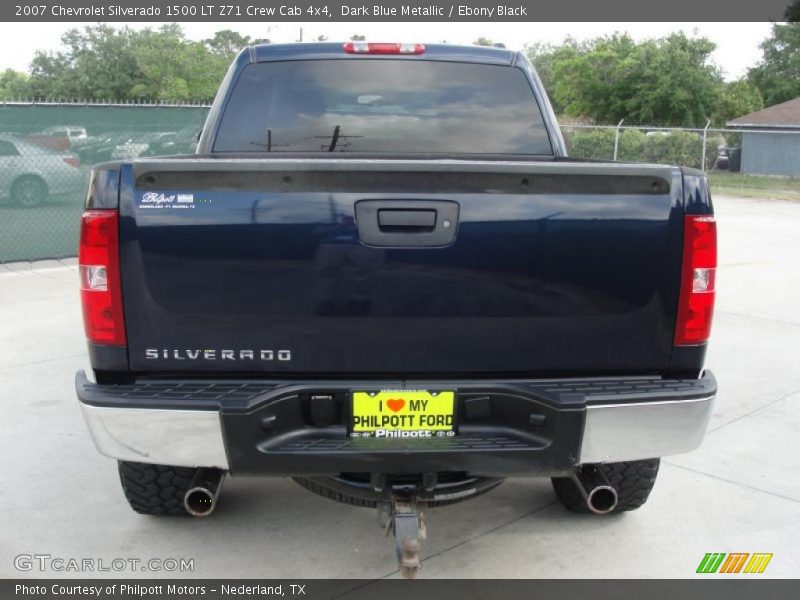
<point>620,432</point>
<point>671,420</point>
<point>183,438</point>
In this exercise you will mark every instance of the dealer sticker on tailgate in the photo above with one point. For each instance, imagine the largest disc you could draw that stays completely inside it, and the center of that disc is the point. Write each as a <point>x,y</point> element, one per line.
<point>403,413</point>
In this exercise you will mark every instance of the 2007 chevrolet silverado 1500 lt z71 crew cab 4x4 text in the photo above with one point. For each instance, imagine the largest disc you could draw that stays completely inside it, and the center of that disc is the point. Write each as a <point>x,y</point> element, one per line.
<point>382,276</point>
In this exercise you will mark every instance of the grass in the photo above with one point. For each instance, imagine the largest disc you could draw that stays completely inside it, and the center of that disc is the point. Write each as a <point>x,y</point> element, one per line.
<point>754,186</point>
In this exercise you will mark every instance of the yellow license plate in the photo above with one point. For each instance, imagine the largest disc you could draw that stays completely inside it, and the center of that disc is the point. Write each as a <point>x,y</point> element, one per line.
<point>403,413</point>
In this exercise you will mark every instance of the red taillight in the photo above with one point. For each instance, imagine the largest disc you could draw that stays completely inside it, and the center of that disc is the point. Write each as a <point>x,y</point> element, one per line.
<point>383,48</point>
<point>101,292</point>
<point>73,161</point>
<point>698,280</point>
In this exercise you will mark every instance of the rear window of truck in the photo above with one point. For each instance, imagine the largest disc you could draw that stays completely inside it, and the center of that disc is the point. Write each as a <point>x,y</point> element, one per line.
<point>382,106</point>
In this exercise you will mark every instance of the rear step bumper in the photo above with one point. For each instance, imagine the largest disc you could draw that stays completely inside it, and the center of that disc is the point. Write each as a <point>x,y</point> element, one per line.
<point>505,428</point>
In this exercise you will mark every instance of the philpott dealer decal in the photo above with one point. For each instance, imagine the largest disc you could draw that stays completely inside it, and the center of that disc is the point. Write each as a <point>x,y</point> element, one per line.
<point>162,200</point>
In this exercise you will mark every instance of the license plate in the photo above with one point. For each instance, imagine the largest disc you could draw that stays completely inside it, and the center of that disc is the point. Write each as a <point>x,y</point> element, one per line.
<point>403,413</point>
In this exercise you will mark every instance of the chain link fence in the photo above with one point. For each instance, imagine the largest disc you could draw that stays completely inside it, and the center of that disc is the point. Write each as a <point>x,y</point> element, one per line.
<point>708,149</point>
<point>47,151</point>
<point>745,162</point>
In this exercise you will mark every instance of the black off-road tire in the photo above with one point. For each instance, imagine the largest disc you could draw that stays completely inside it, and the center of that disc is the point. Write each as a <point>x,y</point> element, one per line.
<point>320,489</point>
<point>155,489</point>
<point>633,480</point>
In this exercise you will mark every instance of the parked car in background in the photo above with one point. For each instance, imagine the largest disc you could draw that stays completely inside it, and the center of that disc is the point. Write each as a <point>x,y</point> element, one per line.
<point>60,137</point>
<point>722,157</point>
<point>30,174</point>
<point>138,145</point>
<point>98,148</point>
<point>183,141</point>
<point>130,144</point>
<point>729,158</point>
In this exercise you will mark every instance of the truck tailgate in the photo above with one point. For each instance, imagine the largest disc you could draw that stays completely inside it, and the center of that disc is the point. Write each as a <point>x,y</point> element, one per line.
<point>345,267</point>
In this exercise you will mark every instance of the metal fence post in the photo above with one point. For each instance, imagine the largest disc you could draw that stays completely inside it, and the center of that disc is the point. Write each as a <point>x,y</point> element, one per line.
<point>616,139</point>
<point>705,136</point>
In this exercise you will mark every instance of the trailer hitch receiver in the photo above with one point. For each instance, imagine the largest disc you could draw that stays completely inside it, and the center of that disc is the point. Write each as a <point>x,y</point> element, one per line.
<point>403,515</point>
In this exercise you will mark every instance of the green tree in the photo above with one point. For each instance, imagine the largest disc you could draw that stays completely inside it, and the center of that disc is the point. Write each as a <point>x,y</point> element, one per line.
<point>101,62</point>
<point>675,148</point>
<point>777,74</point>
<point>13,85</point>
<point>737,98</point>
<point>98,63</point>
<point>174,68</point>
<point>668,81</point>
<point>482,41</point>
<point>599,144</point>
<point>543,57</point>
<point>227,43</point>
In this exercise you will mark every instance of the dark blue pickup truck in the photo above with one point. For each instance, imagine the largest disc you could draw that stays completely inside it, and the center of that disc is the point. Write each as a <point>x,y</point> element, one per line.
<point>382,275</point>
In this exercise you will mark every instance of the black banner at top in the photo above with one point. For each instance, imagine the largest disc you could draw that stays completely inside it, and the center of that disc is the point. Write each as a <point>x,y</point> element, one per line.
<point>397,10</point>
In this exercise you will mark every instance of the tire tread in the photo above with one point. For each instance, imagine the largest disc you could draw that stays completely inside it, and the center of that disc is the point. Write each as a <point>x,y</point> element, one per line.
<point>155,489</point>
<point>633,480</point>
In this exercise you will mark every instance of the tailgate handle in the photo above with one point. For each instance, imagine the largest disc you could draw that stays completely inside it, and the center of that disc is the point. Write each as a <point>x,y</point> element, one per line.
<point>402,223</point>
<point>408,221</point>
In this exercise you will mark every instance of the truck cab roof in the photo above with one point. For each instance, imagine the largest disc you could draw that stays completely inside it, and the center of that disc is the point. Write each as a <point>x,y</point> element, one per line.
<point>335,50</point>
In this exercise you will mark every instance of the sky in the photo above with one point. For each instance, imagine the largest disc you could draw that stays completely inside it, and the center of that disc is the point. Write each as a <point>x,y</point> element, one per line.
<point>737,43</point>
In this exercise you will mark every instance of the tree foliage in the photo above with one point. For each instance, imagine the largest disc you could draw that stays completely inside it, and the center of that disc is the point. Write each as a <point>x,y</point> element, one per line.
<point>669,81</point>
<point>669,148</point>
<point>738,98</point>
<point>544,58</point>
<point>174,68</point>
<point>777,75</point>
<point>102,62</point>
<point>13,84</point>
<point>599,144</point>
<point>227,43</point>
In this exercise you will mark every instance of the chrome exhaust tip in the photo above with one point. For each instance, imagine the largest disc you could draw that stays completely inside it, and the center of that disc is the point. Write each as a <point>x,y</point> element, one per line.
<point>600,496</point>
<point>201,498</point>
<point>602,499</point>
